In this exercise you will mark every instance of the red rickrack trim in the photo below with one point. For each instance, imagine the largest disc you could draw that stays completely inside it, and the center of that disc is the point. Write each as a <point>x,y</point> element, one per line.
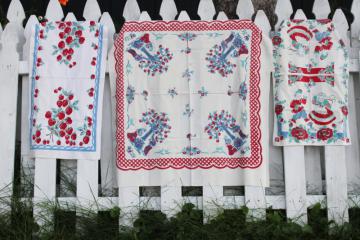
<point>253,161</point>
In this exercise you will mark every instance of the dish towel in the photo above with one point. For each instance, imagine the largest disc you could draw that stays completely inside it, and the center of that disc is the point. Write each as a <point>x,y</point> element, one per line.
<point>192,95</point>
<point>311,84</point>
<point>68,61</point>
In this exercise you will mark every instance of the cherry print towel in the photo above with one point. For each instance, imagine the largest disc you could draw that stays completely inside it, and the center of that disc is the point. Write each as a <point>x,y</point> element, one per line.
<point>67,77</point>
<point>311,84</point>
<point>190,100</point>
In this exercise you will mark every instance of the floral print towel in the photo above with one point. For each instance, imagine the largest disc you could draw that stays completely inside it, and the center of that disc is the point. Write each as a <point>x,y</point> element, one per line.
<point>311,84</point>
<point>189,95</point>
<point>67,77</point>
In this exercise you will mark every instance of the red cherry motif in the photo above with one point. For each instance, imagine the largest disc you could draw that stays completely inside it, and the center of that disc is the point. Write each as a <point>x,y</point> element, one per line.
<point>58,142</point>
<point>71,97</point>
<point>86,139</point>
<point>73,136</point>
<point>69,120</point>
<point>65,103</point>
<point>88,132</point>
<point>61,35</point>
<point>63,126</point>
<point>61,44</point>
<point>68,110</point>
<point>61,115</point>
<point>67,30</point>
<point>62,133</point>
<point>38,133</point>
<point>59,57</point>
<point>69,40</point>
<point>69,130</point>
<point>91,106</point>
<point>78,33</point>
<point>51,122</point>
<point>48,114</point>
<point>92,23</point>
<point>81,40</point>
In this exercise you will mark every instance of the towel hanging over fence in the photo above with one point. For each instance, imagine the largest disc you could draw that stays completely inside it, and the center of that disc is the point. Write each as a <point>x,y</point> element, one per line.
<point>68,61</point>
<point>311,84</point>
<point>192,103</point>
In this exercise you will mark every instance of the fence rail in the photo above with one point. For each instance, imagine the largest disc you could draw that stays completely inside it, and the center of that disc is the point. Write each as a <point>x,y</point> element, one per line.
<point>300,176</point>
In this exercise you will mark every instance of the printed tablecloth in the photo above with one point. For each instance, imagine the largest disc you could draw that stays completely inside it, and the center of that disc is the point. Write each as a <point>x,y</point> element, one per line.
<point>67,63</point>
<point>193,95</point>
<point>311,84</point>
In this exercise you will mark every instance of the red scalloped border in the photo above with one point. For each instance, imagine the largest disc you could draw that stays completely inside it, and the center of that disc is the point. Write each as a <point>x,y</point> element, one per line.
<point>253,161</point>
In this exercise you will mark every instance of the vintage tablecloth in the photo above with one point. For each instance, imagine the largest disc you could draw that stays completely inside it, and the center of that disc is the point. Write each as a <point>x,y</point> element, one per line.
<point>67,62</point>
<point>192,95</point>
<point>311,84</point>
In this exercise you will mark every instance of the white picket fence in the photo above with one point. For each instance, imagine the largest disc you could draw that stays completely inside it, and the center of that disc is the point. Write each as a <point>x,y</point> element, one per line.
<point>296,173</point>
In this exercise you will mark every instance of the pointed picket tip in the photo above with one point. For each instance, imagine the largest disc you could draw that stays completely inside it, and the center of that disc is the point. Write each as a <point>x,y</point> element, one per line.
<point>29,25</point>
<point>341,25</point>
<point>70,17</point>
<point>15,12</point>
<point>168,10</point>
<point>54,11</point>
<point>183,16</point>
<point>262,21</point>
<point>245,9</point>
<point>131,10</point>
<point>283,10</point>
<point>321,9</point>
<point>222,16</point>
<point>144,16</point>
<point>355,27</point>
<point>107,21</point>
<point>92,10</point>
<point>206,10</point>
<point>300,14</point>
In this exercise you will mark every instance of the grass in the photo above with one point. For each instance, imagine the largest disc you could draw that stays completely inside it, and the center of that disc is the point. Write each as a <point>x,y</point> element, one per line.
<point>70,222</point>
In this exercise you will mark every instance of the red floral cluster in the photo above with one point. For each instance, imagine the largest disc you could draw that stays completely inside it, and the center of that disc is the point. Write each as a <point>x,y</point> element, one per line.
<point>71,36</point>
<point>60,121</point>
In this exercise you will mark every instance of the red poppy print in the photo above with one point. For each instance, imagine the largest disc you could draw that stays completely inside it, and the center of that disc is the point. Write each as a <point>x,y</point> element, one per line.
<point>299,133</point>
<point>324,134</point>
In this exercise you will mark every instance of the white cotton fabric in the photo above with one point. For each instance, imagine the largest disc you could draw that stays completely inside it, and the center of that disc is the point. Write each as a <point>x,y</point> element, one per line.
<point>67,69</point>
<point>198,93</point>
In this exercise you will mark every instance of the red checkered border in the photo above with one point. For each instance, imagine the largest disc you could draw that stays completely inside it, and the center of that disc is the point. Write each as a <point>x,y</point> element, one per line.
<point>253,161</point>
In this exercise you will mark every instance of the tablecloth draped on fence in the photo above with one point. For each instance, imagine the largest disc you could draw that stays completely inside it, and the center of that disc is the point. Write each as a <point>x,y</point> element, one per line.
<point>67,79</point>
<point>311,84</point>
<point>192,102</point>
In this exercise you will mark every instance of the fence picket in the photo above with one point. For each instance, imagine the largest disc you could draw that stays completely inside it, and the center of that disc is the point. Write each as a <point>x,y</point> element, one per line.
<point>206,10</point>
<point>222,16</point>
<point>283,10</point>
<point>183,16</point>
<point>54,11</point>
<point>321,9</point>
<point>27,163</point>
<point>335,161</point>
<point>144,16</point>
<point>355,26</point>
<point>9,67</point>
<point>92,10</point>
<point>131,10</point>
<point>294,169</point>
<point>245,9</point>
<point>168,10</point>
<point>255,196</point>
<point>45,169</point>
